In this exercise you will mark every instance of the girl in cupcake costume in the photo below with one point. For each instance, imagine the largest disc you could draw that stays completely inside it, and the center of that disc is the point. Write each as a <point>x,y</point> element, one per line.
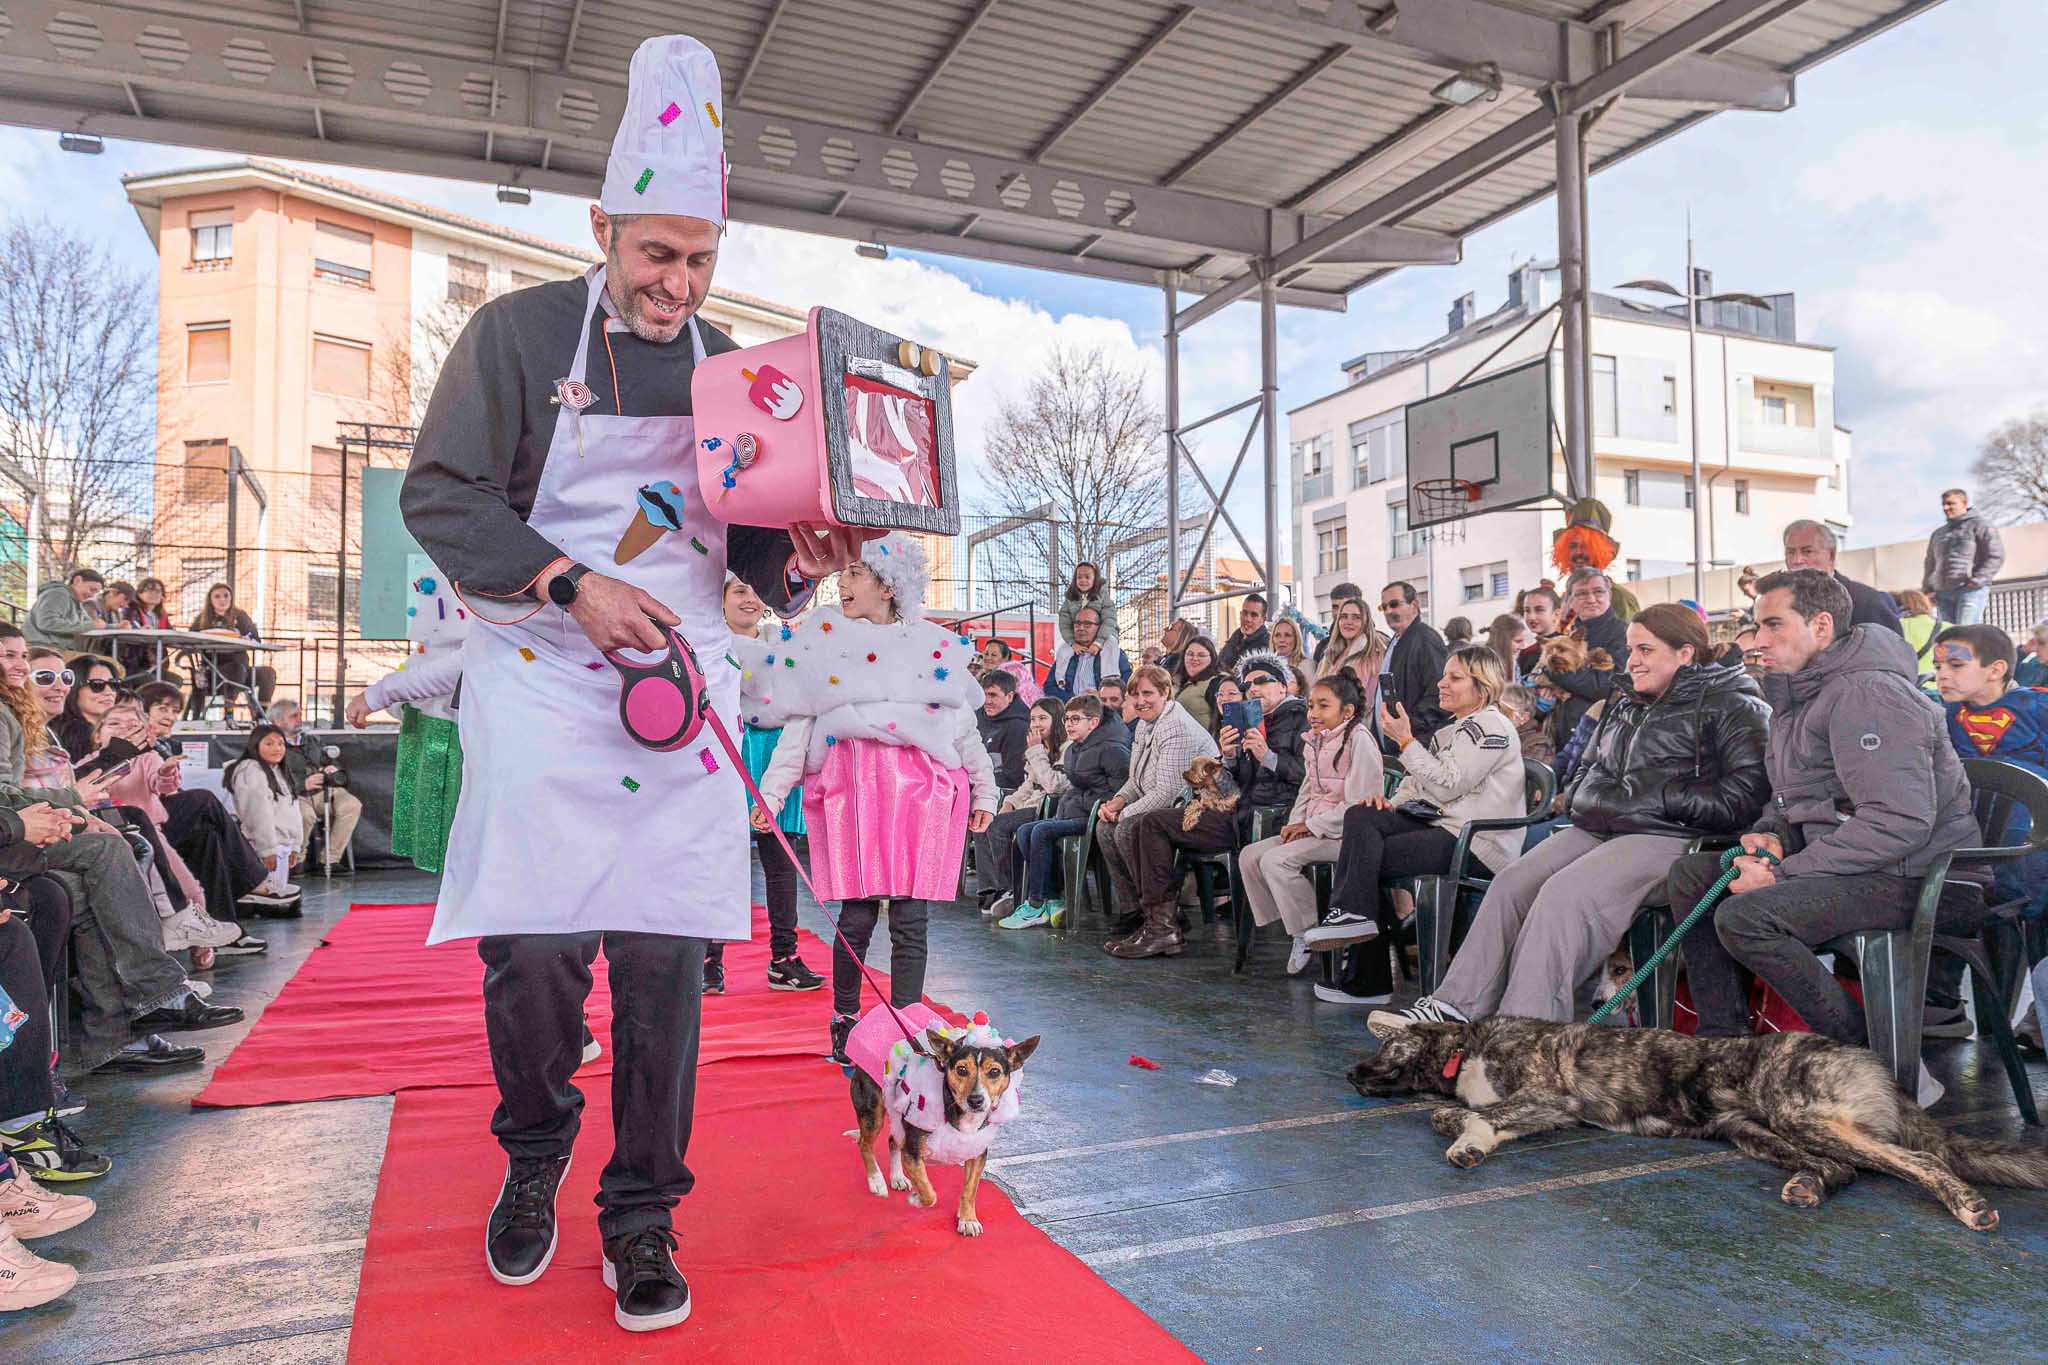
<point>877,707</point>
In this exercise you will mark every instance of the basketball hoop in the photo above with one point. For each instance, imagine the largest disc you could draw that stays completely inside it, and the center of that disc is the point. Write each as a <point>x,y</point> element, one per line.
<point>1443,499</point>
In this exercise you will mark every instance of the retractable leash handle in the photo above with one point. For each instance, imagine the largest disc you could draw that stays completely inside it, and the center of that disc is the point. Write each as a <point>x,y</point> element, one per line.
<point>663,706</point>
<point>1670,945</point>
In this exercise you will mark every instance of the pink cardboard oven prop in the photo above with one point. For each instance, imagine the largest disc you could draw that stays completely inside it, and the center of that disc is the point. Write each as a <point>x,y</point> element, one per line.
<point>842,423</point>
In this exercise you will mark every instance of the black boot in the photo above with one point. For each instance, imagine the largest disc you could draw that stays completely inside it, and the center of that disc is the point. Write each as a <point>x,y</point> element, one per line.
<point>1157,937</point>
<point>842,1027</point>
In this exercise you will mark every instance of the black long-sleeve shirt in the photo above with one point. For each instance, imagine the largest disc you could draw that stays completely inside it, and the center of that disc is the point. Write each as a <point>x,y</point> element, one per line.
<point>477,463</point>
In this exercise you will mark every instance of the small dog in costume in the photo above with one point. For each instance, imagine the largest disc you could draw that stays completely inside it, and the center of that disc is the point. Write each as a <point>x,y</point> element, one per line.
<point>940,1104</point>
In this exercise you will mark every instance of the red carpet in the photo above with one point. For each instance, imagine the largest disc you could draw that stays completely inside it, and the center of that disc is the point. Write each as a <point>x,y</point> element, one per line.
<point>330,1032</point>
<point>790,1259</point>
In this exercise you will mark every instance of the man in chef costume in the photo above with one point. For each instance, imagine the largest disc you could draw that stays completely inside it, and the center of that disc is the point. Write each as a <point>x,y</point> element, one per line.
<point>560,423</point>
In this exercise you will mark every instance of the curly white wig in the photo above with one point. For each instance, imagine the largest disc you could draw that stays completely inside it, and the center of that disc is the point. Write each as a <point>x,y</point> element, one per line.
<point>904,569</point>
<point>1263,661</point>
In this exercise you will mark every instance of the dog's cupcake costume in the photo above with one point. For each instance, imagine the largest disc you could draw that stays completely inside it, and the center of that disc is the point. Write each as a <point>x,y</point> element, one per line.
<point>913,1091</point>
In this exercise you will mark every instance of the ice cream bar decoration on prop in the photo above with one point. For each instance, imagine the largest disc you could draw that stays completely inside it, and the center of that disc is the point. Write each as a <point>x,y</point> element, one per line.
<point>842,423</point>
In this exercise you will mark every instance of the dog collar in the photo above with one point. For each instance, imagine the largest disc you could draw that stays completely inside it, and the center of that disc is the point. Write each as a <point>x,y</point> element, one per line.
<point>1451,1065</point>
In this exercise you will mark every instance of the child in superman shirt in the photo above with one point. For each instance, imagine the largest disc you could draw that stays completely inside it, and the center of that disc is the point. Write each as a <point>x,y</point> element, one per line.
<point>1990,718</point>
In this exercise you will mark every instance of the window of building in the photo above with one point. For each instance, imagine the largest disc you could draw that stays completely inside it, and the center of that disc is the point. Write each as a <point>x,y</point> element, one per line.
<point>1606,400</point>
<point>1742,497</point>
<point>1401,542</point>
<point>1632,570</point>
<point>468,281</point>
<point>199,577</point>
<point>1670,395</point>
<point>1312,456</point>
<point>341,254</point>
<point>320,595</point>
<point>1632,487</point>
<point>1689,492</point>
<point>1333,550</point>
<point>341,367</point>
<point>1773,410</point>
<point>324,479</point>
<point>206,353</point>
<point>206,472</point>
<point>213,235</point>
<point>522,280</point>
<point>1484,581</point>
<point>1379,449</point>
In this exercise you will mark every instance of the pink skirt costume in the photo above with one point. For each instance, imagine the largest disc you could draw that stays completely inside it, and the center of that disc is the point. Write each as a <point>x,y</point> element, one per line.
<point>885,820</point>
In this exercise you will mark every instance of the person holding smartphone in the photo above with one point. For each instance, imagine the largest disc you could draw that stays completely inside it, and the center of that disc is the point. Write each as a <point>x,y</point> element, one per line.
<point>1261,739</point>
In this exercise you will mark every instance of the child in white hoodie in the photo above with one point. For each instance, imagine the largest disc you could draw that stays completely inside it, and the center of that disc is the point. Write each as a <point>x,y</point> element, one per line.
<point>877,707</point>
<point>266,807</point>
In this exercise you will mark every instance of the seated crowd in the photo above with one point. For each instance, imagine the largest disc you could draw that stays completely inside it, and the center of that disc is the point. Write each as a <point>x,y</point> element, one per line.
<point>1342,761</point>
<point>122,888</point>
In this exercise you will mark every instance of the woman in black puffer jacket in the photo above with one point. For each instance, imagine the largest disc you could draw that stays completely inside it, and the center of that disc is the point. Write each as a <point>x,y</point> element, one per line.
<point>1679,754</point>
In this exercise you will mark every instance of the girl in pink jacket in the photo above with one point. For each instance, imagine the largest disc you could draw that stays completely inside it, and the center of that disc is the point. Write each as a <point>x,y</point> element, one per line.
<point>1344,768</point>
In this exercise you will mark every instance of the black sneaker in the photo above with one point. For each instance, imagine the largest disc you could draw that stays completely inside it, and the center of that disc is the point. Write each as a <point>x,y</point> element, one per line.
<point>714,975</point>
<point>790,974</point>
<point>1339,929</point>
<point>519,1241</point>
<point>262,905</point>
<point>152,1053</point>
<point>641,1269</point>
<point>842,1028</point>
<point>50,1151</point>
<point>248,945</point>
<point>189,1016</point>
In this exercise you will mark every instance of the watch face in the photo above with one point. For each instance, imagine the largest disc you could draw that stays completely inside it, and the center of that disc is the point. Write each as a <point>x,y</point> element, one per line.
<point>561,590</point>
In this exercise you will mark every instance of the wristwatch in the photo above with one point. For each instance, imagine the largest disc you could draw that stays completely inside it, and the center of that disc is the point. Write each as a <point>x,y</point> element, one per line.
<point>562,587</point>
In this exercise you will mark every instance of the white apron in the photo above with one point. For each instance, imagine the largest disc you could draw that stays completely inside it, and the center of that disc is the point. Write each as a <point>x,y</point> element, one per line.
<point>549,838</point>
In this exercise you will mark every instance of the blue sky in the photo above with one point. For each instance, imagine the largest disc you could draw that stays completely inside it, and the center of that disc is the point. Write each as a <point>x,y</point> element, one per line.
<point>1902,201</point>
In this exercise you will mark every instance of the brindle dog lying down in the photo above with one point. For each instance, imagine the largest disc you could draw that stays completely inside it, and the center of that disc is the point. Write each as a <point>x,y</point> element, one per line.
<point>1818,1108</point>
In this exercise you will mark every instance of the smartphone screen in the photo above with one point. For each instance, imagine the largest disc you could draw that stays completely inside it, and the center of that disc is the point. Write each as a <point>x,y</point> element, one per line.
<point>1234,716</point>
<point>1386,688</point>
<point>1254,713</point>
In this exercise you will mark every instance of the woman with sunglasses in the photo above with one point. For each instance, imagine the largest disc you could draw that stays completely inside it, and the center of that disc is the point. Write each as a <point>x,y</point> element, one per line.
<point>95,687</point>
<point>232,675</point>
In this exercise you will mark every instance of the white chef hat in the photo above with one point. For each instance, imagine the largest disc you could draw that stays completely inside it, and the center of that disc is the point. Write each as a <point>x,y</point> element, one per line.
<point>669,153</point>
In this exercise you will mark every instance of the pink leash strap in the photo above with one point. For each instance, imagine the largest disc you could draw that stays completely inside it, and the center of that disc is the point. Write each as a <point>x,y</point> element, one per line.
<point>774,827</point>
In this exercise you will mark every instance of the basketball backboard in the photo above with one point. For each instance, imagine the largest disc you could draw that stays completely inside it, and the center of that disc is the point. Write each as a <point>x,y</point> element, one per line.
<point>1492,436</point>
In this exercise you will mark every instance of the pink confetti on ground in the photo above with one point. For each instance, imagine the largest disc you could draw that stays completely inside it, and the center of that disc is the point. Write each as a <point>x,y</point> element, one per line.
<point>1145,1062</point>
<point>670,114</point>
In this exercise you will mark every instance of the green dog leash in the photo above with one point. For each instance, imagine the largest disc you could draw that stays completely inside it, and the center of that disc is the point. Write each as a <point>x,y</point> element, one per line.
<point>1665,949</point>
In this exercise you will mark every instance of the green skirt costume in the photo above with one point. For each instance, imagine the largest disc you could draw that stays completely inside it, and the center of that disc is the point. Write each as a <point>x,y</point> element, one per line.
<point>425,788</point>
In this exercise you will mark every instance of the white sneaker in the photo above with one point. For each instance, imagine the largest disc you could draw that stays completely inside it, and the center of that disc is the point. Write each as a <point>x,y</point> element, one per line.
<point>29,1211</point>
<point>1330,995</point>
<point>202,989</point>
<point>1427,1010</point>
<point>1299,956</point>
<point>1930,1090</point>
<point>204,930</point>
<point>26,1279</point>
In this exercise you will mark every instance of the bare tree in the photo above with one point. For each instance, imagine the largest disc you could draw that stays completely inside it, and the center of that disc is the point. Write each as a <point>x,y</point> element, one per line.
<point>1085,439</point>
<point>413,360</point>
<point>2011,471</point>
<point>77,385</point>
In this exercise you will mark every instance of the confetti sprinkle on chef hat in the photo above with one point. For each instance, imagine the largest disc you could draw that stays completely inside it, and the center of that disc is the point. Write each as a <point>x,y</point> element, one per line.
<point>669,153</point>
<point>901,564</point>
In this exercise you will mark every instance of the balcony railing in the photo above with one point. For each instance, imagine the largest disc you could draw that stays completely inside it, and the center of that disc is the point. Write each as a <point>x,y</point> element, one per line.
<point>1316,487</point>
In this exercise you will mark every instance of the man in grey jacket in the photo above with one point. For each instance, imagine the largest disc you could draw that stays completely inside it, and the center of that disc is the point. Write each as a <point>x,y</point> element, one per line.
<point>64,610</point>
<point>1963,556</point>
<point>1866,793</point>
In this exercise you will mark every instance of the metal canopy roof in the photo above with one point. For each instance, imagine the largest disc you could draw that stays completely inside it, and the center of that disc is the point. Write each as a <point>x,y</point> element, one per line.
<point>1140,140</point>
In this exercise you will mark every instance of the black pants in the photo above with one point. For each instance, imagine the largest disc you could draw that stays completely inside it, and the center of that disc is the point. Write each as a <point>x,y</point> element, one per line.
<point>48,909</point>
<point>907,920</point>
<point>212,845</point>
<point>778,877</point>
<point>1380,844</point>
<point>995,860</point>
<point>1771,933</point>
<point>534,989</point>
<point>25,1065</point>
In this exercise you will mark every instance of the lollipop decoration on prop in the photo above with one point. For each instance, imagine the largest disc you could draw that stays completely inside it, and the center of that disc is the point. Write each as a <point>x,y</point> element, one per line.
<point>842,424</point>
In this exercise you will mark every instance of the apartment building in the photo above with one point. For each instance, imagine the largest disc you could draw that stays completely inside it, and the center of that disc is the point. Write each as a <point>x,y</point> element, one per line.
<point>290,304</point>
<point>1770,448</point>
